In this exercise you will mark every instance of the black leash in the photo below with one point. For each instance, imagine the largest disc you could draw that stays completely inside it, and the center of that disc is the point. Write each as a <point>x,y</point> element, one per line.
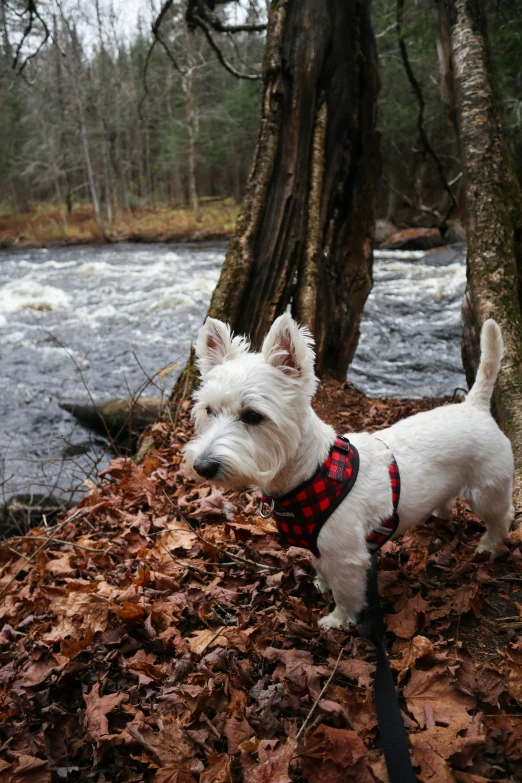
<point>391,727</point>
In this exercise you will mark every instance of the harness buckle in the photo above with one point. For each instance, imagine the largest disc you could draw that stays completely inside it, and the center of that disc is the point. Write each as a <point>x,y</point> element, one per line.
<point>342,444</point>
<point>270,507</point>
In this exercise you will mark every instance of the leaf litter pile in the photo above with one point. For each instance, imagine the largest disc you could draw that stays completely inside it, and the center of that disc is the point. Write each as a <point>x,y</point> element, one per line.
<point>159,632</point>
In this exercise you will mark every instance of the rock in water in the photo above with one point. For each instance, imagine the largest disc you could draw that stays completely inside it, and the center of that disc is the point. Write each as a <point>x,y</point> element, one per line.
<point>122,420</point>
<point>414,239</point>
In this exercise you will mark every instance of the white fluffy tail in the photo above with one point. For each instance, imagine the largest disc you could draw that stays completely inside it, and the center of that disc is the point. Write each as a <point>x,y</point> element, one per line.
<point>491,353</point>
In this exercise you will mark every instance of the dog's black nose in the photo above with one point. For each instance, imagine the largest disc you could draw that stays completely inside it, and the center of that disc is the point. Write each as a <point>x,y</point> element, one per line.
<point>206,468</point>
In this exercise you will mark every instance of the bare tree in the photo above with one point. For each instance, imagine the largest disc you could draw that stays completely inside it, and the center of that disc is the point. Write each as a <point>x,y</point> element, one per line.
<point>305,233</point>
<point>494,208</point>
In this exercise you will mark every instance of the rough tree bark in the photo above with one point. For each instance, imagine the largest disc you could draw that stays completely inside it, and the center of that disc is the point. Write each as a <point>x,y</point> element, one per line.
<point>306,228</point>
<point>494,210</point>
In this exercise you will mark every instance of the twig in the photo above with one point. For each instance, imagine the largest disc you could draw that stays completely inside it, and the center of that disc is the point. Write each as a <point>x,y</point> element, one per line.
<point>316,702</point>
<point>18,554</point>
<point>59,541</point>
<point>215,546</point>
<point>420,117</point>
<point>42,546</point>
<point>211,640</point>
<point>221,57</point>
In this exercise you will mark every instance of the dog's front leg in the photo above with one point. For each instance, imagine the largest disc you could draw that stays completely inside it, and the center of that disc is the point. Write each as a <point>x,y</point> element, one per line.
<point>348,584</point>
<point>320,581</point>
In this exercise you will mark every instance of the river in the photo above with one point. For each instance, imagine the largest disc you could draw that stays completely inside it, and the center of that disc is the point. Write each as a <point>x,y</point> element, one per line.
<point>101,321</point>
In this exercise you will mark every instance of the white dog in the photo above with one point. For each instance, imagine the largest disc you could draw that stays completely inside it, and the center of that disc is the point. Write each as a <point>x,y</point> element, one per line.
<point>256,427</point>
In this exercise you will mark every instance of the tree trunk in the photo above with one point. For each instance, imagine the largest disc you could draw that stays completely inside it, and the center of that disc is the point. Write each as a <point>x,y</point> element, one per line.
<point>190,117</point>
<point>78,93</point>
<point>494,213</point>
<point>306,229</point>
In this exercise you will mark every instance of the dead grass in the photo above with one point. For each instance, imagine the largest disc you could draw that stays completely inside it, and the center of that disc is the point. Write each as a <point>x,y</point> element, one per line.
<point>44,225</point>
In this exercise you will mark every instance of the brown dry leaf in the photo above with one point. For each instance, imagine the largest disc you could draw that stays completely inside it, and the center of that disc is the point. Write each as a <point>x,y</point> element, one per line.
<point>60,567</point>
<point>273,762</point>
<point>511,728</point>
<point>406,622</point>
<point>297,666</point>
<point>173,539</point>
<point>434,688</point>
<point>244,532</point>
<point>26,769</point>
<point>71,647</point>
<point>237,730</point>
<point>168,747</point>
<point>97,709</point>
<point>199,641</point>
<point>129,612</point>
<point>459,601</point>
<point>144,666</point>
<point>266,525</point>
<point>150,464</point>
<point>358,705</point>
<point>334,756</point>
<point>355,669</point>
<point>77,611</point>
<point>219,769</point>
<point>434,747</point>
<point>417,648</point>
<point>174,775</point>
<point>379,770</point>
<point>215,504</point>
<point>512,666</point>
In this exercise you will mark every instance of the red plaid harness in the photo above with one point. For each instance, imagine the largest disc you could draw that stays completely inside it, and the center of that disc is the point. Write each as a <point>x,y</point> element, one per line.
<point>301,513</point>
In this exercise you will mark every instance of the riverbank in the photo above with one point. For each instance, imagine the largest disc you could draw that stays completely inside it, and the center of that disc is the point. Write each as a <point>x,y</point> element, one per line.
<point>44,225</point>
<point>160,631</point>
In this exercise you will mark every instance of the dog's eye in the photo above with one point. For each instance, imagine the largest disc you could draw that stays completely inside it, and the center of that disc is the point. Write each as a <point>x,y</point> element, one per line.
<point>251,417</point>
<point>209,410</point>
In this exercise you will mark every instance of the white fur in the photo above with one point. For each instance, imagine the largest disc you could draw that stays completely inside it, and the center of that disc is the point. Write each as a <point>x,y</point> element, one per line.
<point>453,450</point>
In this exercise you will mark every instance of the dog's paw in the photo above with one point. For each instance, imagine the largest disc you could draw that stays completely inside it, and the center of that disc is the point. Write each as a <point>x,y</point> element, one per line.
<point>321,584</point>
<point>487,546</point>
<point>336,619</point>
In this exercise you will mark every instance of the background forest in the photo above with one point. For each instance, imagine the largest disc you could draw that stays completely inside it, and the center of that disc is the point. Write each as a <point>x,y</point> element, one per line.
<point>98,118</point>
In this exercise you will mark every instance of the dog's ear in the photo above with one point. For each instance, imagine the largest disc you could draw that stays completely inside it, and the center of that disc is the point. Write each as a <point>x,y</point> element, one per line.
<point>290,348</point>
<point>216,344</point>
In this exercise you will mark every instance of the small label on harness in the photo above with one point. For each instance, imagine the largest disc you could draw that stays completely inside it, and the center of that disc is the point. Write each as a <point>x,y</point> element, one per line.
<point>336,472</point>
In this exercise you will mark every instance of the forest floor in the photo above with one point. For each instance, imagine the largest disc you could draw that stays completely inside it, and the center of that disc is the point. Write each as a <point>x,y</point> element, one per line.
<point>160,632</point>
<point>44,225</point>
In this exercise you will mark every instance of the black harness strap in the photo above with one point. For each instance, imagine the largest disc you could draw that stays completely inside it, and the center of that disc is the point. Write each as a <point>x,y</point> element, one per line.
<point>391,726</point>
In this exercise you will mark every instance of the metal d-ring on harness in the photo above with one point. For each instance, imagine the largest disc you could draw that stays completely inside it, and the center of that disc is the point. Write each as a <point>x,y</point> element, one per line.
<point>262,512</point>
<point>298,509</point>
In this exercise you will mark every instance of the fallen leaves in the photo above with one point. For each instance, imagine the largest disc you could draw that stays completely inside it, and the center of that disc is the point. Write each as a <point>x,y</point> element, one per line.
<point>97,709</point>
<point>334,756</point>
<point>434,689</point>
<point>184,648</point>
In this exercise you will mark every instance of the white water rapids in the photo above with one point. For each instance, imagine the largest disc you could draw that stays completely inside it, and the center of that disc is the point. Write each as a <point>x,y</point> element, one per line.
<point>99,321</point>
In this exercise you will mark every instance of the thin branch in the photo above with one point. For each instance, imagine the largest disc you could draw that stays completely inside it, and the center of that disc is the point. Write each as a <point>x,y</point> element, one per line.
<point>33,14</point>
<point>58,541</point>
<point>207,29</point>
<point>420,117</point>
<point>42,546</point>
<point>411,203</point>
<point>219,27</point>
<point>316,702</point>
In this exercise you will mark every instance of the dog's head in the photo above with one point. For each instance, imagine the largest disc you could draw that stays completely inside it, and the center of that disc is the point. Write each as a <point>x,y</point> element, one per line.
<point>250,410</point>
